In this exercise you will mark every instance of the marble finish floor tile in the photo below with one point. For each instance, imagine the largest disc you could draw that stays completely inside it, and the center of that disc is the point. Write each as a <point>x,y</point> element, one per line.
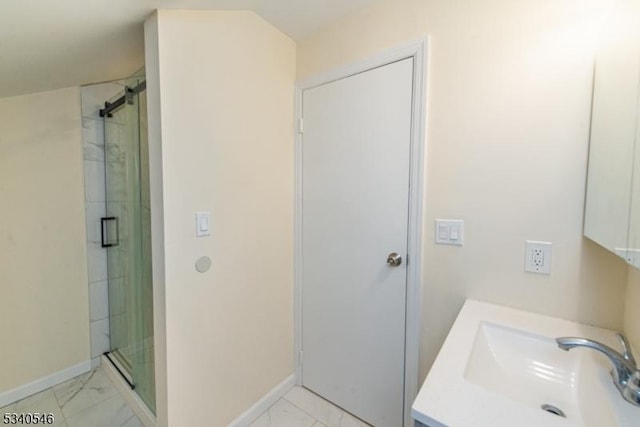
<point>322,410</point>
<point>112,412</point>
<point>133,422</point>
<point>43,403</point>
<point>284,414</point>
<point>89,400</point>
<point>83,392</point>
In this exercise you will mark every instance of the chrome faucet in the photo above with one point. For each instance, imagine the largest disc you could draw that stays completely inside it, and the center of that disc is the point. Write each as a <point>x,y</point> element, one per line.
<point>626,375</point>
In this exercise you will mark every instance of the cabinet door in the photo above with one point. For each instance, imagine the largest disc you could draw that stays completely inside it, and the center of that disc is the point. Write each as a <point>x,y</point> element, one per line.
<point>612,146</point>
<point>633,243</point>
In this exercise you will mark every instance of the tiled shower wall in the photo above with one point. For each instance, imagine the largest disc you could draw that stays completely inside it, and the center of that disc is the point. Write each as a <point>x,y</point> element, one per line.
<point>93,98</point>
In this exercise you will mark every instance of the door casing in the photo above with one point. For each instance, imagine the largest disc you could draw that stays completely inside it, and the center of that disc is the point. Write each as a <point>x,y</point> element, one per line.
<point>417,50</point>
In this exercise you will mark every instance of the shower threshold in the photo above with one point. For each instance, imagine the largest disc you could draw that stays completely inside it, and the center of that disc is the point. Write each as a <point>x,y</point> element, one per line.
<point>119,363</point>
<point>140,408</point>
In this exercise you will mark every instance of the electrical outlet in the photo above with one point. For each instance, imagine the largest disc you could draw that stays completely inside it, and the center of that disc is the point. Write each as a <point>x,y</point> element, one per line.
<point>537,257</point>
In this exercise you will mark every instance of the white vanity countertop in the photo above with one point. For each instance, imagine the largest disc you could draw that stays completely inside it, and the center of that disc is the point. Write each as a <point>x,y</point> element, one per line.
<point>451,396</point>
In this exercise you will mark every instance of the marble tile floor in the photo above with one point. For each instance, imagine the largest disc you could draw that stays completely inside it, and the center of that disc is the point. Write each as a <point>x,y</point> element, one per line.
<point>89,400</point>
<point>303,408</point>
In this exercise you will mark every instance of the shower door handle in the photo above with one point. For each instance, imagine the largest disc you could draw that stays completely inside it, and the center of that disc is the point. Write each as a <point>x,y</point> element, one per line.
<point>109,236</point>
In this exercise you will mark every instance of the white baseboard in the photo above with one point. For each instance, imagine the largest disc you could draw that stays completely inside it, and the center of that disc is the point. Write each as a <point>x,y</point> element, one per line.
<point>147,418</point>
<point>96,361</point>
<point>26,390</point>
<point>251,414</point>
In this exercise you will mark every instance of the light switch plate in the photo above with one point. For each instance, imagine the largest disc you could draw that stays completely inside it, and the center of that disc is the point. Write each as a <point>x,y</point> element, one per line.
<point>203,224</point>
<point>449,232</point>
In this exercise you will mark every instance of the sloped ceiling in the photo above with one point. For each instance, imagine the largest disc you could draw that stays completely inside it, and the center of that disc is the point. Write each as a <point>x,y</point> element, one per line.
<point>47,44</point>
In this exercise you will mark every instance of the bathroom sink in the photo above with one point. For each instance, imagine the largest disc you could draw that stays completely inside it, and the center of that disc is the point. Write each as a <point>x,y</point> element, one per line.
<point>502,367</point>
<point>531,370</point>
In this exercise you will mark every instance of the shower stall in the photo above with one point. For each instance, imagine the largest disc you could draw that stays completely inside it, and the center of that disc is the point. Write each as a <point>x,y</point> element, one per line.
<point>126,236</point>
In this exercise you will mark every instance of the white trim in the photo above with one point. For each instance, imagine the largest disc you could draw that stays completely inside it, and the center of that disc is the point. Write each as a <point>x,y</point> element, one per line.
<point>144,414</point>
<point>262,405</point>
<point>297,243</point>
<point>26,390</point>
<point>416,215</point>
<point>96,361</point>
<point>418,50</point>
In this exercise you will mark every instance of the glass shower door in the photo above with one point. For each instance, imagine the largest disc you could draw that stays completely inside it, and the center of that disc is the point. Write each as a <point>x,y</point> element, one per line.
<point>128,240</point>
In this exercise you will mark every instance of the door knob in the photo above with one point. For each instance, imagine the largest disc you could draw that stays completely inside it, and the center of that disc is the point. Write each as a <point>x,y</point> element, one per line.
<point>394,259</point>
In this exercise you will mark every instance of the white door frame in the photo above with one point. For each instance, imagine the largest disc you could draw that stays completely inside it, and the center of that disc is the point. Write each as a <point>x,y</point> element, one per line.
<point>418,51</point>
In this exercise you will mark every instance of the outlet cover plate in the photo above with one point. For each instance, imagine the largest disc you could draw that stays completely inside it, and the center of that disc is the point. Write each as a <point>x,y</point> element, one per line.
<point>537,257</point>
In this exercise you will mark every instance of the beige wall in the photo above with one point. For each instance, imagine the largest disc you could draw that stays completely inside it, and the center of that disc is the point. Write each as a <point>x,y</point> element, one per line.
<point>631,312</point>
<point>44,320</point>
<point>225,110</point>
<point>507,139</point>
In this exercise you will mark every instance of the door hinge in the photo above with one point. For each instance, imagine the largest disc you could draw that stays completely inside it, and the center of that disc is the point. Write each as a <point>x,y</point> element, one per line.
<point>300,125</point>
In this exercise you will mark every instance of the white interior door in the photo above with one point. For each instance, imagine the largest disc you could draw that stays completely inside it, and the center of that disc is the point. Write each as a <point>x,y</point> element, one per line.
<point>355,198</point>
